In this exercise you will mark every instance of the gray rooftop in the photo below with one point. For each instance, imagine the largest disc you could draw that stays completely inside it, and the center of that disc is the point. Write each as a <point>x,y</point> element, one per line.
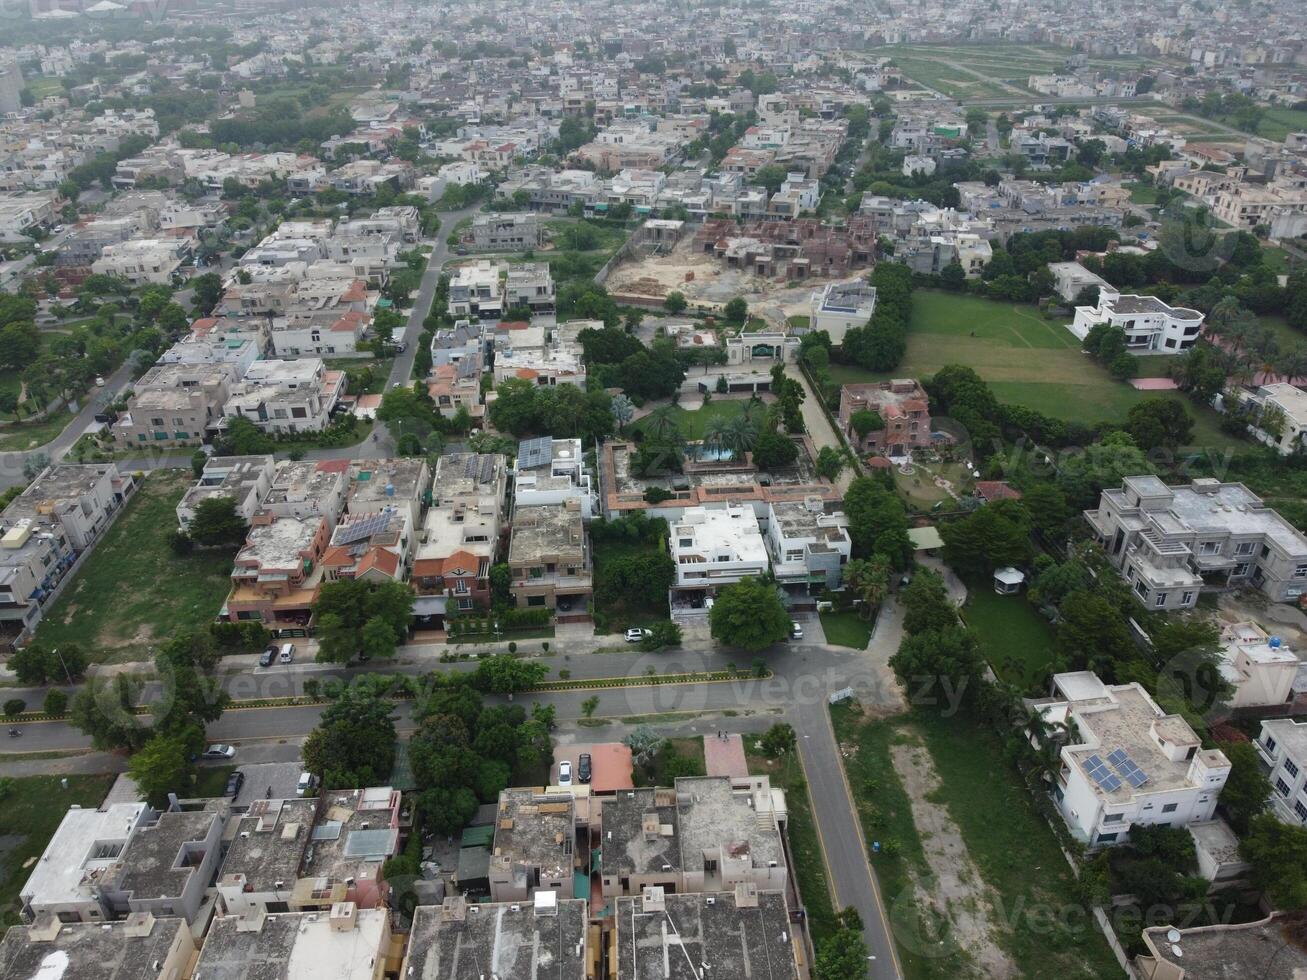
<point>270,842</point>
<point>457,941</point>
<point>724,936</point>
<point>536,830</point>
<point>1268,950</point>
<point>640,832</point>
<point>153,864</point>
<point>134,949</point>
<point>714,814</point>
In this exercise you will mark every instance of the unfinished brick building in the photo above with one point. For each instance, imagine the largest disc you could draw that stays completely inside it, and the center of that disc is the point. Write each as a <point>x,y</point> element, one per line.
<point>799,249</point>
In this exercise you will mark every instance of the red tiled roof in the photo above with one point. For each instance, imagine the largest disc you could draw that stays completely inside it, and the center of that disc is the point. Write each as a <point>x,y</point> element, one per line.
<point>380,558</point>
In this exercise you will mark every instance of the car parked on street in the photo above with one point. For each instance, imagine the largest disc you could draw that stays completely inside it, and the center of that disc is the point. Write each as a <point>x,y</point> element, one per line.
<point>234,783</point>
<point>219,752</point>
<point>565,773</point>
<point>796,631</point>
<point>583,768</point>
<point>267,656</point>
<point>635,634</point>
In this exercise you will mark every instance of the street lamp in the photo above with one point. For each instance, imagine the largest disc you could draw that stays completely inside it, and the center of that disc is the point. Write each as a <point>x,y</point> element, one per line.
<point>64,664</point>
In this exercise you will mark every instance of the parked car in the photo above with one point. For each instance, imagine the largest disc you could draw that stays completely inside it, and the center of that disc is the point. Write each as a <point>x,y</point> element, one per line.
<point>99,381</point>
<point>796,631</point>
<point>266,657</point>
<point>583,770</point>
<point>565,773</point>
<point>287,654</point>
<point>307,784</point>
<point>219,752</point>
<point>234,783</point>
<point>635,634</point>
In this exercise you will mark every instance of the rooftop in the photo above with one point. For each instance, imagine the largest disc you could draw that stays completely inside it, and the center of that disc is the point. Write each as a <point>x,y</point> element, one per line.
<point>357,830</point>
<point>155,862</point>
<point>85,845</point>
<point>281,544</point>
<point>744,935</point>
<point>136,948</point>
<point>383,481</point>
<point>544,530</point>
<point>536,830</point>
<point>639,832</point>
<point>542,939</point>
<point>270,842</point>
<point>1271,949</point>
<point>295,946</point>
<point>714,812</point>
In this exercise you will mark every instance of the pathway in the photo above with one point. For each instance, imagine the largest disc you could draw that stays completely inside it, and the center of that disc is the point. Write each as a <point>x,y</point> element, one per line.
<point>819,428</point>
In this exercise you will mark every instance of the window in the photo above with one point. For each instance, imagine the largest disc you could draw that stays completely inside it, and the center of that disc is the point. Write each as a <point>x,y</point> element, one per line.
<point>1160,600</point>
<point>1169,807</point>
<point>1186,598</point>
<point>464,603</point>
<point>1142,588</point>
<point>1106,838</point>
<point>1291,768</point>
<point>1113,818</point>
<point>1282,787</point>
<point>1300,571</point>
<point>1269,744</point>
<point>1240,570</point>
<point>1301,811</point>
<point>1209,547</point>
<point>1244,548</point>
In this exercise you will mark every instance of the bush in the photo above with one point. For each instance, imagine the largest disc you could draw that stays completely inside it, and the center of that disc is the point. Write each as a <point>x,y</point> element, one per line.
<point>15,707</point>
<point>180,544</point>
<point>56,703</point>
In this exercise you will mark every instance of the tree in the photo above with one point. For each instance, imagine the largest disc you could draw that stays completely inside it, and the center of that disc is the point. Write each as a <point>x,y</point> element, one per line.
<point>216,523</point>
<point>674,302</point>
<point>1047,508</point>
<point>1246,789</point>
<point>749,614</point>
<point>19,344</point>
<point>778,740</point>
<point>842,956</point>
<point>831,462</point>
<point>869,580</point>
<point>1159,422</point>
<point>865,422</point>
<point>162,766</point>
<point>589,705</point>
<point>1278,853</point>
<point>103,710</point>
<point>995,535</point>
<point>56,703</point>
<point>1093,634</point>
<point>35,664</point>
<point>354,743</point>
<point>774,450</point>
<point>347,607</point>
<point>736,310</point>
<point>207,290</point>
<point>505,674</point>
<point>878,524</point>
<point>926,604</point>
<point>447,811</point>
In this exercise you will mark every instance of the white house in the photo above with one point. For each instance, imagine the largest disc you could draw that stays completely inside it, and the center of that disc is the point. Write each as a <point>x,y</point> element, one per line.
<point>1260,668</point>
<point>808,545</point>
<point>1282,745</point>
<point>1134,764</point>
<point>841,306</point>
<point>1151,326</point>
<point>1069,278</point>
<point>1289,404</point>
<point>286,396</point>
<point>717,547</point>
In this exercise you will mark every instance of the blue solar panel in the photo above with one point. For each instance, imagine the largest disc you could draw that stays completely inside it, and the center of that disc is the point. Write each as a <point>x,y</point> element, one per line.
<point>1093,762</point>
<point>1137,778</point>
<point>1118,757</point>
<point>1111,783</point>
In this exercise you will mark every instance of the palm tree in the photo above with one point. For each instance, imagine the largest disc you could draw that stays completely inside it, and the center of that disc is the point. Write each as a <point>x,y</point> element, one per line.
<point>662,425</point>
<point>1292,363</point>
<point>716,433</point>
<point>740,435</point>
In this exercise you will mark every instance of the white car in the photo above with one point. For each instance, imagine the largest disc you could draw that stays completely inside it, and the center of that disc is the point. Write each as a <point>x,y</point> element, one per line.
<point>307,784</point>
<point>796,631</point>
<point>565,773</point>
<point>635,634</point>
<point>219,752</point>
<point>99,382</point>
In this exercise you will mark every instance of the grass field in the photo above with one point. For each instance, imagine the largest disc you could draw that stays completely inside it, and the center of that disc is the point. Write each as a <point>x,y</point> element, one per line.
<point>845,629</point>
<point>1278,123</point>
<point>1026,358</point>
<point>1143,193</point>
<point>1037,920</point>
<point>133,592</point>
<point>694,422</point>
<point>1016,640</point>
<point>809,863</point>
<point>29,815</point>
<point>19,436</point>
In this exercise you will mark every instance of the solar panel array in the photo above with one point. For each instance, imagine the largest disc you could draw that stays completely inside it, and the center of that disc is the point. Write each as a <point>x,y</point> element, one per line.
<point>479,467</point>
<point>1126,766</point>
<point>364,529</point>
<point>535,452</point>
<point>1099,773</point>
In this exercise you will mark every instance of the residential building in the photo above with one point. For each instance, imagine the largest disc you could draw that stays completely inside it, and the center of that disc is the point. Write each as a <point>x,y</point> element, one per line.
<point>461,533</point>
<point>476,291</point>
<point>286,396</point>
<point>456,384</point>
<point>346,942</point>
<point>1267,949</point>
<point>808,544</point>
<point>166,865</point>
<point>1150,325</point>
<point>716,547</point>
<point>507,232</point>
<point>378,485</point>
<point>535,844</point>
<point>529,285</point>
<point>64,881</point>
<point>1282,745</point>
<point>707,834</point>
<point>143,261</point>
<point>141,947</point>
<point>549,557</point>
<point>1286,404</point>
<point>764,347</point>
<point>1171,543</point>
<point>743,932</point>
<point>306,488</point>
<point>1260,668</point>
<point>458,940</point>
<point>354,833</point>
<point>1132,763</point>
<point>175,405</point>
<point>264,857</point>
<point>904,412</point>
<point>247,480</point>
<point>278,572</point>
<point>370,547</point>
<point>1070,278</point>
<point>840,306</point>
<point>552,471</point>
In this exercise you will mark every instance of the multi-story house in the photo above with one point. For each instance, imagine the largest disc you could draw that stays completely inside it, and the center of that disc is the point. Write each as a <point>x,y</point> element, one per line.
<point>476,292</point>
<point>529,285</point>
<point>372,547</point>
<point>1286,405</point>
<point>904,412</point>
<point>808,543</point>
<point>1132,763</point>
<point>507,232</point>
<point>1282,745</point>
<point>457,385</point>
<point>1150,325</point>
<point>278,572</point>
<point>286,396</point>
<point>175,404</point>
<point>247,480</point>
<point>143,261</point>
<point>716,547</point>
<point>1171,543</point>
<point>1260,669</point>
<point>460,534</point>
<point>840,306</point>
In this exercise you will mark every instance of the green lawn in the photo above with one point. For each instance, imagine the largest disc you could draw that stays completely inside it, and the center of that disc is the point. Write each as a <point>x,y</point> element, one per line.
<point>1027,359</point>
<point>133,591</point>
<point>1016,640</point>
<point>380,369</point>
<point>19,436</point>
<point>617,617</point>
<point>30,813</point>
<point>694,422</point>
<point>1143,193</point>
<point>688,755</point>
<point>1039,922</point>
<point>845,629</point>
<point>1278,123</point>
<point>805,848</point>
<point>211,781</point>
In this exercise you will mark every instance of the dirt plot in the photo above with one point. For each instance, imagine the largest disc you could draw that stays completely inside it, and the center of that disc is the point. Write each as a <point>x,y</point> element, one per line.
<point>955,892</point>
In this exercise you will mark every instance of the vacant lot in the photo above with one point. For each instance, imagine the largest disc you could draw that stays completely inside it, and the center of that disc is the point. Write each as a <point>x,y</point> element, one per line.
<point>846,629</point>
<point>619,616</point>
<point>29,815</point>
<point>1027,359</point>
<point>133,591</point>
<point>20,436</point>
<point>968,895</point>
<point>1016,640</point>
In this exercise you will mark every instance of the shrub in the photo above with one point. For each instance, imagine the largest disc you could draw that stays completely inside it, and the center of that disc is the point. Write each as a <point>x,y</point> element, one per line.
<point>56,703</point>
<point>15,707</point>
